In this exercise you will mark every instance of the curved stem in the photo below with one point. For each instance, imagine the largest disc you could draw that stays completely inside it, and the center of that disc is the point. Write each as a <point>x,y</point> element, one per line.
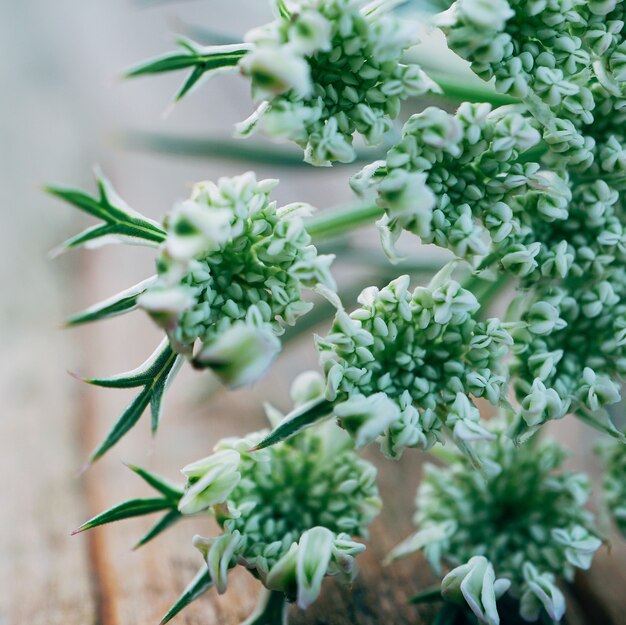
<point>459,89</point>
<point>334,222</point>
<point>271,610</point>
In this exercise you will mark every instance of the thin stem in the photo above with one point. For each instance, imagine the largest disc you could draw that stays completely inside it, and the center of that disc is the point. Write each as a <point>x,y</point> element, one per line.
<point>343,219</point>
<point>427,596</point>
<point>458,89</point>
<point>271,610</point>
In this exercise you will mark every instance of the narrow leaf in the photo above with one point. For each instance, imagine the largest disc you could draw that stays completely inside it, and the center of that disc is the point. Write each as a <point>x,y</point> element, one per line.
<point>154,375</point>
<point>193,78</point>
<point>203,59</point>
<point>296,421</point>
<point>164,486</point>
<point>124,424</point>
<point>200,584</point>
<point>121,224</point>
<point>126,510</point>
<point>427,596</point>
<point>116,305</point>
<point>156,403</point>
<point>226,148</point>
<point>166,521</point>
<point>143,374</point>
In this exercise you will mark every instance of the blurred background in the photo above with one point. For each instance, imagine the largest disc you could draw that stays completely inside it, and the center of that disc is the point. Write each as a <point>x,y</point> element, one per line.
<point>64,109</point>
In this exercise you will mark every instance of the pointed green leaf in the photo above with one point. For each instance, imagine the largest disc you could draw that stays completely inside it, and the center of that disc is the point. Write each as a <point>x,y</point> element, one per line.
<point>203,60</point>
<point>282,9</point>
<point>227,148</point>
<point>164,486</point>
<point>142,375</point>
<point>126,510</point>
<point>124,424</point>
<point>156,403</point>
<point>192,79</point>
<point>155,376</point>
<point>296,421</point>
<point>119,304</point>
<point>200,584</point>
<point>121,223</point>
<point>166,521</point>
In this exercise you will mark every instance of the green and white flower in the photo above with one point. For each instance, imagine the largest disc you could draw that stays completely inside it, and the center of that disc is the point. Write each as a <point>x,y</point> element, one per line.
<point>230,276</point>
<point>323,72</point>
<point>571,351</point>
<point>327,70</point>
<point>463,182</point>
<point>563,59</point>
<point>406,366</point>
<point>289,514</point>
<point>231,270</point>
<point>526,524</point>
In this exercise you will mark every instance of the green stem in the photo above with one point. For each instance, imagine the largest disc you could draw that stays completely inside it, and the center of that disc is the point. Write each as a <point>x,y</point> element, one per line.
<point>427,596</point>
<point>271,610</point>
<point>340,220</point>
<point>458,89</point>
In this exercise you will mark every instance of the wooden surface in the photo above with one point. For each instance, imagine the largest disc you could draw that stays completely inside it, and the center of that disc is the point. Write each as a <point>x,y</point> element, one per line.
<point>60,109</point>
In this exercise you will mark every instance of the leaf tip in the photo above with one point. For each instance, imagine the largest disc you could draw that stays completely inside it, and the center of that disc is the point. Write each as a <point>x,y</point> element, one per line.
<point>79,530</point>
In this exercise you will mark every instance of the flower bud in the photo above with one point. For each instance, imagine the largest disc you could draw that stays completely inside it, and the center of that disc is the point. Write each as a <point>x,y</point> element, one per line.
<point>475,584</point>
<point>210,481</point>
<point>240,355</point>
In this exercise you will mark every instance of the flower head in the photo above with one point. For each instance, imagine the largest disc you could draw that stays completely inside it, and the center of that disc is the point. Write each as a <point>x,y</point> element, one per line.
<point>571,351</point>
<point>405,366</point>
<point>231,273</point>
<point>328,70</point>
<point>564,60</point>
<point>526,524</point>
<point>288,513</point>
<point>460,181</point>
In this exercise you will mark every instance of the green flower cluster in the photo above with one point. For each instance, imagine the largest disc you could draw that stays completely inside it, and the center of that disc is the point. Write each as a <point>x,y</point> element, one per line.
<point>463,182</point>
<point>230,275</point>
<point>328,69</point>
<point>571,351</point>
<point>405,366</point>
<point>528,519</point>
<point>566,59</point>
<point>613,454</point>
<point>288,513</point>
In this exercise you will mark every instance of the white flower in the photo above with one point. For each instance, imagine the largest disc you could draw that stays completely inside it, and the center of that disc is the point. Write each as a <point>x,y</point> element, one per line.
<point>366,418</point>
<point>241,354</point>
<point>491,14</point>
<point>194,231</point>
<point>475,584</point>
<point>210,481</point>
<point>275,70</point>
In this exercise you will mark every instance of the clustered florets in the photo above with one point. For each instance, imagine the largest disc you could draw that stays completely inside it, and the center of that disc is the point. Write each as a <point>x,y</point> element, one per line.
<point>407,365</point>
<point>566,59</point>
<point>330,69</point>
<point>528,519</point>
<point>531,191</point>
<point>572,352</point>
<point>284,511</point>
<point>462,182</point>
<point>231,274</point>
